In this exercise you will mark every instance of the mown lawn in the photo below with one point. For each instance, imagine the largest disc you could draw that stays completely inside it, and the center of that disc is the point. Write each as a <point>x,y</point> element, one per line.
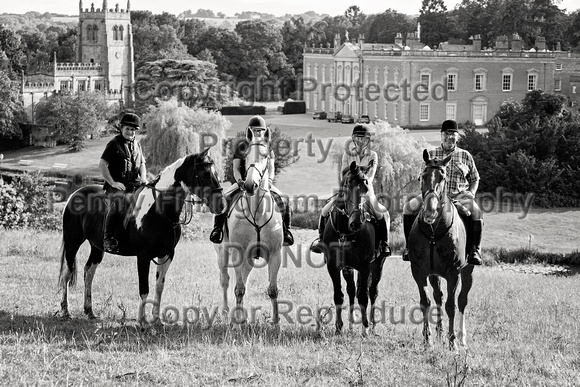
<point>523,329</point>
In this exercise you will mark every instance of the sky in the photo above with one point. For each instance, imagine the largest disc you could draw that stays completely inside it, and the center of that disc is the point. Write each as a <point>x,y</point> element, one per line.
<point>231,7</point>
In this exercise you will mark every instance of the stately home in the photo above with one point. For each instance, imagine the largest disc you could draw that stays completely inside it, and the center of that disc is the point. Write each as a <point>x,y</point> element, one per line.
<point>412,85</point>
<point>104,60</point>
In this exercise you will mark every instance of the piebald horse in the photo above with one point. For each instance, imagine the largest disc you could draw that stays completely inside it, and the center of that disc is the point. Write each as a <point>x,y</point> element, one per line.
<point>253,229</point>
<point>152,233</point>
<point>437,248</point>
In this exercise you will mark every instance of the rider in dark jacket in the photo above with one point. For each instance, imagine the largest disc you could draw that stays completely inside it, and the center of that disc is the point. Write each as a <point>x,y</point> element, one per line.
<point>123,166</point>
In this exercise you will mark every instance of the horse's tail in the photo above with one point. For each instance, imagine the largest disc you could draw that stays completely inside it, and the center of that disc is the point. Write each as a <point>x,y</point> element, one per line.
<point>69,268</point>
<point>71,226</point>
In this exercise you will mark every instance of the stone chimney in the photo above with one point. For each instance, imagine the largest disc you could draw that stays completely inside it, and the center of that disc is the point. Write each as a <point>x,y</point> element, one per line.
<point>476,42</point>
<point>501,43</point>
<point>558,46</point>
<point>399,39</point>
<point>516,43</point>
<point>412,40</point>
<point>361,40</point>
<point>540,43</point>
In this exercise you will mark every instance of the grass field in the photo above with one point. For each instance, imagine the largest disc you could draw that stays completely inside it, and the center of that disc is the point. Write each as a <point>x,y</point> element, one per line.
<point>522,329</point>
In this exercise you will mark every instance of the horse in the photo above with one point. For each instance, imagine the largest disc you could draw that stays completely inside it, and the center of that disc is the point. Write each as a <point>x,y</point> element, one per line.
<point>253,230</point>
<point>350,245</point>
<point>437,248</point>
<point>152,233</point>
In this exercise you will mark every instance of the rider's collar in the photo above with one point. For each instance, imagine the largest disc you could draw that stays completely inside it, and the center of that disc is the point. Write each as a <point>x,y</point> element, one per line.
<point>447,152</point>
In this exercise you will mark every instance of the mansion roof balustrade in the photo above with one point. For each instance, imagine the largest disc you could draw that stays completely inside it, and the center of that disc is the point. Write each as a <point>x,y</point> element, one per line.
<point>444,53</point>
<point>78,66</point>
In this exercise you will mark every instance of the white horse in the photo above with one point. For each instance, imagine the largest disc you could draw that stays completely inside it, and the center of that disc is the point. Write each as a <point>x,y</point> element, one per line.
<point>253,229</point>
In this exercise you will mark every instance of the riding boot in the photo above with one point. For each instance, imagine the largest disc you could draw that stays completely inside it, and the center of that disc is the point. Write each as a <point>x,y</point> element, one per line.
<point>383,236</point>
<point>318,245</point>
<point>110,243</point>
<point>408,221</point>
<point>475,256</point>
<point>217,234</point>
<point>288,237</point>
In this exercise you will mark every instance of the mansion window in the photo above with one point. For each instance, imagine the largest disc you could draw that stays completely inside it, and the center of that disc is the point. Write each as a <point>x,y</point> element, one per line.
<point>451,111</point>
<point>557,85</point>
<point>506,82</point>
<point>424,112</point>
<point>118,33</point>
<point>532,82</point>
<point>92,31</point>
<point>451,82</point>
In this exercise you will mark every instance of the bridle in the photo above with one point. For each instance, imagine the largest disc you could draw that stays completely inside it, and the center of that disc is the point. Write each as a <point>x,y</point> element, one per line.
<point>346,207</point>
<point>439,195</point>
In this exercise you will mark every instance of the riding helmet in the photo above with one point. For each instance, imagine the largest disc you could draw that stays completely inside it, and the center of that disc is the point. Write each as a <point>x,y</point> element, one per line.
<point>449,125</point>
<point>132,120</point>
<point>257,122</point>
<point>361,130</point>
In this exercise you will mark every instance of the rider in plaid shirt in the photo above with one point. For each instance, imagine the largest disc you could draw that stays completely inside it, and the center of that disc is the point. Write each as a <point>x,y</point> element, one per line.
<point>462,184</point>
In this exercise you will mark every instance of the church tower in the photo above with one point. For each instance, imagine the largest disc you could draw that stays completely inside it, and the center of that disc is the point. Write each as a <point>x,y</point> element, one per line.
<point>106,40</point>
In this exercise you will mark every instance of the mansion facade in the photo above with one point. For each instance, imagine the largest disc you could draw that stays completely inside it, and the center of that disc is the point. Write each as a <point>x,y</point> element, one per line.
<point>411,85</point>
<point>104,60</point>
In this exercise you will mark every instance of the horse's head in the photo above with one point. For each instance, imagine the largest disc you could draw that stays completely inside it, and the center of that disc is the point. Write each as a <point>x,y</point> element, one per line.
<point>352,193</point>
<point>257,159</point>
<point>198,174</point>
<point>433,181</point>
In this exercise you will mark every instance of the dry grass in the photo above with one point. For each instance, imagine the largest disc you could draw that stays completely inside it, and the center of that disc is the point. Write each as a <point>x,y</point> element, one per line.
<point>523,329</point>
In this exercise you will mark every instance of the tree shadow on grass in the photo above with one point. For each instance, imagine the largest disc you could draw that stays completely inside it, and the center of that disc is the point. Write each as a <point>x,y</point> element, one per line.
<point>126,335</point>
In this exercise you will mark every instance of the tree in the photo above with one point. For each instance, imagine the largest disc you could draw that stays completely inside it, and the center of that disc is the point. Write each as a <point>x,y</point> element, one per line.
<point>225,48</point>
<point>192,82</point>
<point>434,23</point>
<point>74,117</point>
<point>386,25</point>
<point>281,161</point>
<point>355,18</point>
<point>10,47</point>
<point>153,43</point>
<point>11,109</point>
<point>175,131</point>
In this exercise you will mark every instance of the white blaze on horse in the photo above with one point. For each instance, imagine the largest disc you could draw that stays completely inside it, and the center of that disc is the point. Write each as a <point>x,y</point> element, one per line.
<point>253,229</point>
<point>153,233</point>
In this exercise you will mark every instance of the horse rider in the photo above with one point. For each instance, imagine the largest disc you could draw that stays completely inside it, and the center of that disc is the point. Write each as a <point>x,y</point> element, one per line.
<point>360,153</point>
<point>462,184</point>
<point>241,149</point>
<point>122,165</point>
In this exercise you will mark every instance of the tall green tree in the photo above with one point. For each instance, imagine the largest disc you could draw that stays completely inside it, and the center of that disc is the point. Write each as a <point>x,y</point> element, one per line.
<point>74,116</point>
<point>10,47</point>
<point>386,25</point>
<point>355,18</point>
<point>11,109</point>
<point>434,23</point>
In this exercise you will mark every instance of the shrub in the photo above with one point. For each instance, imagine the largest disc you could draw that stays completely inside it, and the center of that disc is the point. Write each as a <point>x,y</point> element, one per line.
<point>12,213</point>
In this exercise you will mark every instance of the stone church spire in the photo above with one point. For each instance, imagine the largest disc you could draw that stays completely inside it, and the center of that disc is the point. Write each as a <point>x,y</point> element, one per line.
<point>105,6</point>
<point>128,5</point>
<point>80,5</point>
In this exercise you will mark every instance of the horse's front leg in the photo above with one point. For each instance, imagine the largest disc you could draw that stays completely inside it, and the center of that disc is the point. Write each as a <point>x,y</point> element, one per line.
<point>438,296</point>
<point>143,263</point>
<point>452,282</point>
<point>95,258</point>
<point>224,279</point>
<point>376,274</point>
<point>363,298</point>
<point>466,284</point>
<point>159,285</point>
<point>421,281</point>
<point>334,272</point>
<point>274,262</point>
<point>242,272</point>
<point>348,275</point>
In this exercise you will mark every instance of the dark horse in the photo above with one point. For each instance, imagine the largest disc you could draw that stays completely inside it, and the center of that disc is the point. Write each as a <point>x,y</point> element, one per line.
<point>437,246</point>
<point>350,245</point>
<point>152,233</point>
